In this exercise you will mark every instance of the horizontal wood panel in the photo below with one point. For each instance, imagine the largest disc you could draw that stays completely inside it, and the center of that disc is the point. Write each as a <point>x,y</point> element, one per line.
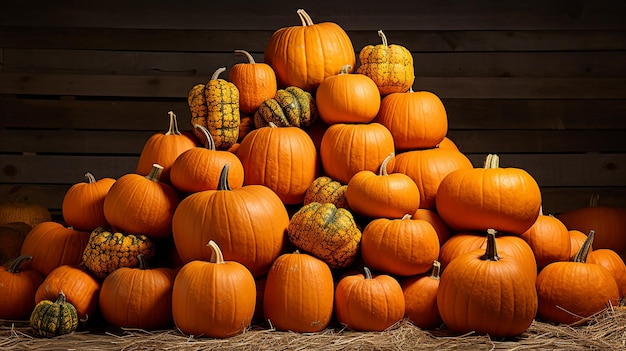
<point>462,64</point>
<point>203,40</point>
<point>444,87</point>
<point>466,114</point>
<point>457,14</point>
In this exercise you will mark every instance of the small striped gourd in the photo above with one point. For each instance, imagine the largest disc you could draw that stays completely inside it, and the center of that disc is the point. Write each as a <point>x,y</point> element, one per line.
<point>50,319</point>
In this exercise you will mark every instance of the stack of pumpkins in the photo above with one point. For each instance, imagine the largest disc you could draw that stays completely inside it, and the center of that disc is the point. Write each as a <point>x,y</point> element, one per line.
<point>316,192</point>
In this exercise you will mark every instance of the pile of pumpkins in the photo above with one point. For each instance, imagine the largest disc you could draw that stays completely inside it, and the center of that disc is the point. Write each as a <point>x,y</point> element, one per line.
<point>312,189</point>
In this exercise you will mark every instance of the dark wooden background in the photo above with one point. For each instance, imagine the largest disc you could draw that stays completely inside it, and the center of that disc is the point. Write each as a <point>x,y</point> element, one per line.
<point>83,84</point>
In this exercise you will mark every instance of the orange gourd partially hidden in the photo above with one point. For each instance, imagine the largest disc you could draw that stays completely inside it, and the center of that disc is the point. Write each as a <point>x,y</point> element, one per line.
<point>256,82</point>
<point>214,298</point>
<point>420,296</point>
<point>17,288</point>
<point>12,237</point>
<point>549,239</point>
<point>83,203</point>
<point>21,210</point>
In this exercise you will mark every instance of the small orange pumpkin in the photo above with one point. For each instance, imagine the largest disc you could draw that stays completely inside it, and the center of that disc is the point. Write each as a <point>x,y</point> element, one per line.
<point>549,239</point>
<point>17,288</point>
<point>420,296</point>
<point>83,203</point>
<point>256,82</point>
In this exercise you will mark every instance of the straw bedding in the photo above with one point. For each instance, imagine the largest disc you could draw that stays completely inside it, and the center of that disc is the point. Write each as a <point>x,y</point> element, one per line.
<point>604,331</point>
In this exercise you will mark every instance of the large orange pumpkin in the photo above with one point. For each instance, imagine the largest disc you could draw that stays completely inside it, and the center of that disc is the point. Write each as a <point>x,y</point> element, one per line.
<point>83,203</point>
<point>256,82</point>
<point>305,55</point>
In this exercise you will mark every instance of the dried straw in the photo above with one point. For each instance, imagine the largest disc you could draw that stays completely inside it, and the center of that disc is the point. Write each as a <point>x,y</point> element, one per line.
<point>605,331</point>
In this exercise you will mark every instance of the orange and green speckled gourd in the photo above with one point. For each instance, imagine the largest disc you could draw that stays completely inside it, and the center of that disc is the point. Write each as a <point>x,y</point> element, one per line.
<point>54,318</point>
<point>223,115</point>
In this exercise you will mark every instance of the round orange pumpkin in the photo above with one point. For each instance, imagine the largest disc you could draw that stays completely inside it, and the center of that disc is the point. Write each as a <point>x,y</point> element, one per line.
<point>17,288</point>
<point>610,260</point>
<point>83,203</point>
<point>256,82</point>
<point>420,297</point>
<point>549,239</point>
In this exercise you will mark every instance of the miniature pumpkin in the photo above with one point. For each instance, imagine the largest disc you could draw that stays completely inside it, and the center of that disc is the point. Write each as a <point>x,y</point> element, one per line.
<point>420,297</point>
<point>610,260</point>
<point>299,293</point>
<point>390,66</point>
<point>83,203</point>
<point>325,190</point>
<point>401,247</point>
<point>248,223</point>
<point>350,148</point>
<point>289,107</point>
<point>138,297</point>
<point>50,319</point>
<point>326,232</point>
<point>198,169</point>
<point>80,287</point>
<point>17,288</point>
<point>505,199</point>
<point>12,237</point>
<point>394,194</point>
<point>570,291</point>
<point>222,114</point>
<point>364,302</point>
<point>21,210</point>
<point>215,298</point>
<point>256,82</point>
<point>305,55</point>
<point>549,239</point>
<point>108,250</point>
<point>288,165</point>
<point>138,204</point>
<point>347,98</point>
<point>52,245</point>
<point>487,292</point>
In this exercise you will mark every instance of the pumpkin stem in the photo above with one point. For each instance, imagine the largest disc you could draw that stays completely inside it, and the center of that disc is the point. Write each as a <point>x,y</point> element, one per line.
<point>368,273</point>
<point>435,273</point>
<point>15,266</point>
<point>272,125</point>
<point>593,201</point>
<point>383,166</point>
<point>581,255</point>
<point>305,18</point>
<point>61,298</point>
<point>155,172</point>
<point>209,143</point>
<point>345,69</point>
<point>223,184</point>
<point>246,54</point>
<point>173,129</point>
<point>143,262</point>
<point>407,216</point>
<point>216,254</point>
<point>491,253</point>
<point>90,178</point>
<point>383,37</point>
<point>217,73</point>
<point>492,161</point>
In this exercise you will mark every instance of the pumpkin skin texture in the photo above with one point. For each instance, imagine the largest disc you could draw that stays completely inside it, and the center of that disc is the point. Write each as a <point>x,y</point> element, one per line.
<point>416,119</point>
<point>12,237</point>
<point>549,239</point>
<point>52,245</point>
<point>249,224</point>
<point>347,98</point>
<point>573,290</point>
<point>21,210</point>
<point>304,56</point>
<point>83,203</point>
<point>289,107</point>
<point>364,302</point>
<point>443,232</point>
<point>394,194</point>
<point>610,260</point>
<point>80,287</point>
<point>487,292</point>
<point>197,169</point>
<point>17,288</point>
<point>288,165</point>
<point>256,82</point>
<point>428,167</point>
<point>390,66</point>
<point>138,297</point>
<point>325,190</point>
<point>505,199</point>
<point>299,294</point>
<point>401,247</point>
<point>138,204</point>
<point>50,319</point>
<point>326,232</point>
<point>420,297</point>
<point>215,298</point>
<point>350,148</point>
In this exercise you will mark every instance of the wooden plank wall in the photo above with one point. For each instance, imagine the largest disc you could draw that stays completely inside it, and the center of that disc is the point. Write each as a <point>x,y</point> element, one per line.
<point>542,83</point>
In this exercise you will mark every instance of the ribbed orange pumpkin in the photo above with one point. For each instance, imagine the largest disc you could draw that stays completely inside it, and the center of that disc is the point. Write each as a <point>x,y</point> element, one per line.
<point>347,98</point>
<point>83,203</point>
<point>549,239</point>
<point>249,224</point>
<point>350,148</point>
<point>401,247</point>
<point>416,119</point>
<point>394,195</point>
<point>610,260</point>
<point>420,297</point>
<point>305,55</point>
<point>141,205</point>
<point>17,288</point>
<point>428,167</point>
<point>288,164</point>
<point>505,199</point>
<point>299,293</point>
<point>198,168</point>
<point>21,210</point>
<point>215,298</point>
<point>443,232</point>
<point>52,245</point>
<point>256,82</point>
<point>163,148</point>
